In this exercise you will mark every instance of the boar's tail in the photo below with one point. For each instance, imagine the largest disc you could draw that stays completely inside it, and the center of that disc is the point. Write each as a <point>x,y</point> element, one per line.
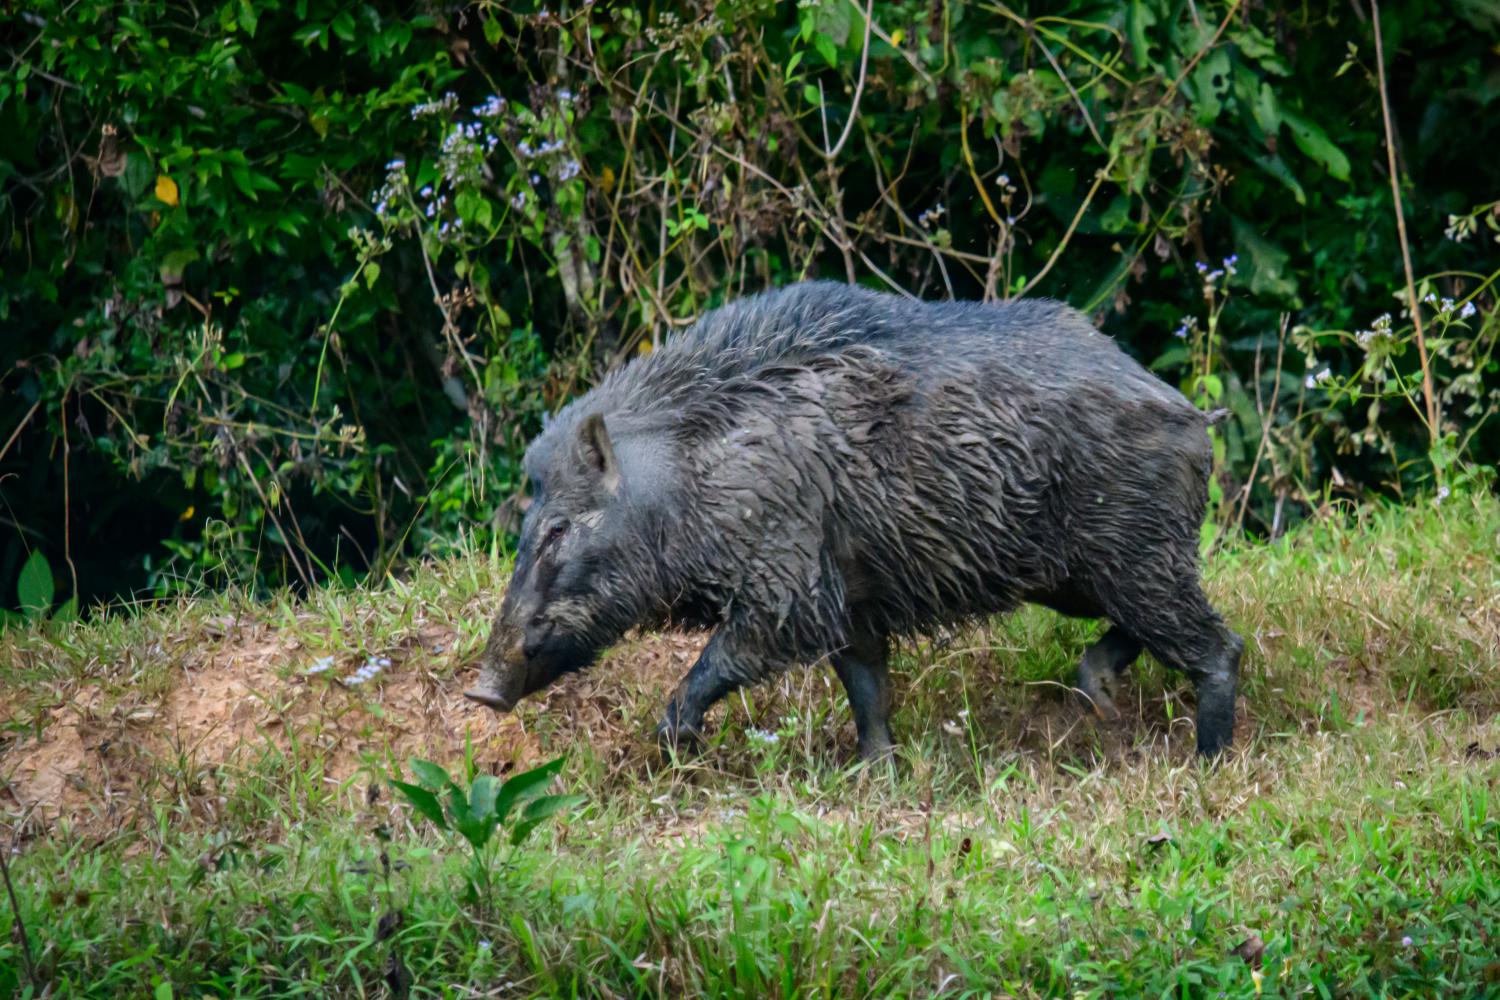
<point>1215,416</point>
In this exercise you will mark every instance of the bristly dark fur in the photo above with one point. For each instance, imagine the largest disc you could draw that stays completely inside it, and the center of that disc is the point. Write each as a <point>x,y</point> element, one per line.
<point>811,470</point>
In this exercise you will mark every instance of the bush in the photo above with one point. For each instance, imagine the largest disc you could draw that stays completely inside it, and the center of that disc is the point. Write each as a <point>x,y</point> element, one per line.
<point>288,285</point>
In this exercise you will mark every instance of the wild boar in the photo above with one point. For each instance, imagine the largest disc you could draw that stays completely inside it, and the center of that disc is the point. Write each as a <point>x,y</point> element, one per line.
<point>812,471</point>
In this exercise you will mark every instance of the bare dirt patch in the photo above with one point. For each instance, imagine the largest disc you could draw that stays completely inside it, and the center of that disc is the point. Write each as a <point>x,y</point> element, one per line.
<point>257,695</point>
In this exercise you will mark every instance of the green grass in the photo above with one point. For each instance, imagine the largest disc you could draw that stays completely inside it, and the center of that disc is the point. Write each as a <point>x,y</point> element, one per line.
<point>1020,848</point>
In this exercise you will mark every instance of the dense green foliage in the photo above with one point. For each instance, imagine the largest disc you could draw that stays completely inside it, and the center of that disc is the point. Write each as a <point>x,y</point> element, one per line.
<point>287,284</point>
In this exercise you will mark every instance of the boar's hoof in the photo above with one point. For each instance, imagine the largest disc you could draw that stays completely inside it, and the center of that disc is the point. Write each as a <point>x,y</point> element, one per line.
<point>1100,697</point>
<point>489,700</point>
<point>678,738</point>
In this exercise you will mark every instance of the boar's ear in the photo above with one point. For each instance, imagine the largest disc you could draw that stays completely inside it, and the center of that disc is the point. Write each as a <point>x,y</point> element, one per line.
<point>598,452</point>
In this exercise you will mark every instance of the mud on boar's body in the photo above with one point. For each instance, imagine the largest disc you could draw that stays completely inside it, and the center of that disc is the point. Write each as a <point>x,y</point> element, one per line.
<point>812,471</point>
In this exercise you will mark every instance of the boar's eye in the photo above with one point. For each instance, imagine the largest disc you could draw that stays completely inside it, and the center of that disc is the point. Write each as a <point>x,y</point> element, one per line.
<point>555,532</point>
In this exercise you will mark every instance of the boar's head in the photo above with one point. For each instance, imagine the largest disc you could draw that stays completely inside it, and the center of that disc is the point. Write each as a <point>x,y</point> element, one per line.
<point>585,564</point>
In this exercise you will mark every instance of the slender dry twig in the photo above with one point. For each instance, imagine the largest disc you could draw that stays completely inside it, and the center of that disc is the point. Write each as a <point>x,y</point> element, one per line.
<point>1265,422</point>
<point>1072,226</point>
<point>1411,284</point>
<point>19,428</point>
<point>859,88</point>
<point>1233,9</point>
<point>15,908</point>
<point>1063,76</point>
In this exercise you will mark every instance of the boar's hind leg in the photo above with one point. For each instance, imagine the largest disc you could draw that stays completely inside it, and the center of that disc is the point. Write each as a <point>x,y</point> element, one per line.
<point>862,666</point>
<point>1102,665</point>
<point>1184,632</point>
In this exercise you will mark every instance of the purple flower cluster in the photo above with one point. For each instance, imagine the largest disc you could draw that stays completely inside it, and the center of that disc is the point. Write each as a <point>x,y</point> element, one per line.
<point>1228,266</point>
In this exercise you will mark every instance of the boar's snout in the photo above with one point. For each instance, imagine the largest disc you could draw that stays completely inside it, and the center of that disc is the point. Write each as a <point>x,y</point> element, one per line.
<point>502,671</point>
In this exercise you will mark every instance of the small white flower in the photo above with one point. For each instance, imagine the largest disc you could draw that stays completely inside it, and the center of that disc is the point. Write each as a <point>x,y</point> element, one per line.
<point>1443,493</point>
<point>1467,310</point>
<point>321,665</point>
<point>763,736</point>
<point>1406,941</point>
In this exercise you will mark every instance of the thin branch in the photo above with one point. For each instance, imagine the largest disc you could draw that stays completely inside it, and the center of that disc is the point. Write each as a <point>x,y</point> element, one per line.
<point>1233,9</point>
<point>1411,284</point>
<point>19,428</point>
<point>1072,226</point>
<point>1265,424</point>
<point>859,88</point>
<point>20,925</point>
<point>1057,66</point>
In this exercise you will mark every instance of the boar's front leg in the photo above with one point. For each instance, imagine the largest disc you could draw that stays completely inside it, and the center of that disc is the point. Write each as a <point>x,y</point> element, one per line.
<point>862,666</point>
<point>722,668</point>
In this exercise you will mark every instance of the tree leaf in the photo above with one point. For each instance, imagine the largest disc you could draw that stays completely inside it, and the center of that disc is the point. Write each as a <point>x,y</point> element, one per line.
<point>166,190</point>
<point>1268,264</point>
<point>1277,168</point>
<point>423,801</point>
<point>1312,140</point>
<point>35,587</point>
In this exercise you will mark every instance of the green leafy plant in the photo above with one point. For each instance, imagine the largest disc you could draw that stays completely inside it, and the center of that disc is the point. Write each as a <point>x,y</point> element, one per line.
<point>36,591</point>
<point>477,814</point>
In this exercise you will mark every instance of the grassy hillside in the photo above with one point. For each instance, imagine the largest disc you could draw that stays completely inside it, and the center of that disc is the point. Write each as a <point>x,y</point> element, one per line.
<point>197,809</point>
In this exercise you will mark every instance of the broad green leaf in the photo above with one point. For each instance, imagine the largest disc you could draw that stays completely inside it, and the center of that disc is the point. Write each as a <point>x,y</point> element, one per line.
<point>1277,168</point>
<point>834,19</point>
<point>482,796</point>
<point>539,811</point>
<point>1312,140</point>
<point>526,785</point>
<point>423,801</point>
<point>249,19</point>
<point>493,31</point>
<point>1211,81</point>
<point>35,587</point>
<point>826,48</point>
<point>474,829</point>
<point>1267,264</point>
<point>431,776</point>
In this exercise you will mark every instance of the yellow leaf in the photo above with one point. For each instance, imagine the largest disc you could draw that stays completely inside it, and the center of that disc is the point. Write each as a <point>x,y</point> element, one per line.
<point>607,180</point>
<point>898,36</point>
<point>644,347</point>
<point>187,515</point>
<point>166,190</point>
